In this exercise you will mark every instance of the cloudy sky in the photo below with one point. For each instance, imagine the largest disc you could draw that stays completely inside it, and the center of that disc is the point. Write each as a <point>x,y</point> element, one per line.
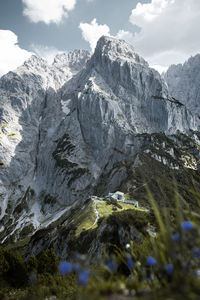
<point>162,31</point>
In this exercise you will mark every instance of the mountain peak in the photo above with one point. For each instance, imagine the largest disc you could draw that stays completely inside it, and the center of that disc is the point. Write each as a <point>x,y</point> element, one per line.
<point>118,49</point>
<point>71,57</point>
<point>75,60</point>
<point>34,60</point>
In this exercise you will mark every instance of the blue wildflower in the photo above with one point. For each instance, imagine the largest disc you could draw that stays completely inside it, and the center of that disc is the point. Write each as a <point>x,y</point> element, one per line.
<point>169,269</point>
<point>83,277</point>
<point>176,237</point>
<point>130,263</point>
<point>111,264</point>
<point>65,268</point>
<point>149,276</point>
<point>196,252</point>
<point>76,268</point>
<point>151,261</point>
<point>187,226</point>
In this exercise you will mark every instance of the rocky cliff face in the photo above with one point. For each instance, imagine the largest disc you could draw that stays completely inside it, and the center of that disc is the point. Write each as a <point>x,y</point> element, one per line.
<point>68,126</point>
<point>183,82</point>
<point>28,100</point>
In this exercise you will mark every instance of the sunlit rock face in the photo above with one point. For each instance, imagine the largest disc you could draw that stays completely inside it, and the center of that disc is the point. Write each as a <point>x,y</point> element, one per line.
<point>183,83</point>
<point>65,125</point>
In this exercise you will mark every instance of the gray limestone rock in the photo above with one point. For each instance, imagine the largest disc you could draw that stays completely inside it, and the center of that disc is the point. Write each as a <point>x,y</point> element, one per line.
<point>64,126</point>
<point>183,83</point>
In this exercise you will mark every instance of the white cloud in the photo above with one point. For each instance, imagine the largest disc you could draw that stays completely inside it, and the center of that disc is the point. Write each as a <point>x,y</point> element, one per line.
<point>160,69</point>
<point>125,35</point>
<point>169,30</point>
<point>11,55</point>
<point>47,11</point>
<point>45,52</point>
<point>148,12</point>
<point>91,32</point>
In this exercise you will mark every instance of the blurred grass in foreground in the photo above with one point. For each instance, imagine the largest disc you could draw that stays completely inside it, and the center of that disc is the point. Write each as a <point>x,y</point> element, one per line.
<point>164,267</point>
